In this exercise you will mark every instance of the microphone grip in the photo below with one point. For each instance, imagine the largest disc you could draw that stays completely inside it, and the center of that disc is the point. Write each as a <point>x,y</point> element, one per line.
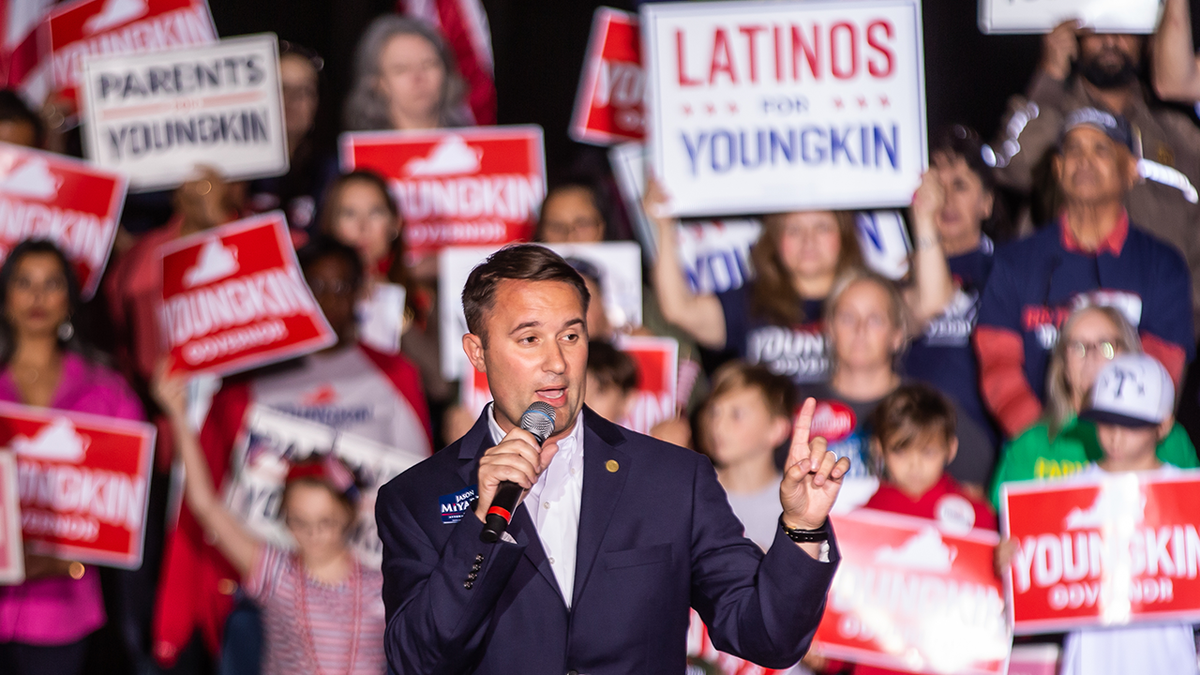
<point>499,514</point>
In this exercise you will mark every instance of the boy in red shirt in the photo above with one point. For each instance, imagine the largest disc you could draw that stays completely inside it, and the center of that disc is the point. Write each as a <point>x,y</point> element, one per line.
<point>913,440</point>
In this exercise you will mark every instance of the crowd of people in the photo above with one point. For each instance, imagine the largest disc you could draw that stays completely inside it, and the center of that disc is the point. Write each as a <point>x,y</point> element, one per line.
<point>1041,263</point>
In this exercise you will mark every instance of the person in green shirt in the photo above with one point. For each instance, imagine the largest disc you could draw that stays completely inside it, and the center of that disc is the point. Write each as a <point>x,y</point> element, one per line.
<point>1062,444</point>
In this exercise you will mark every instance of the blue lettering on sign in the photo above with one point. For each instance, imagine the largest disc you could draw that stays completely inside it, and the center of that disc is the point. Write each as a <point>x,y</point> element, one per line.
<point>454,505</point>
<point>869,227</point>
<point>871,145</point>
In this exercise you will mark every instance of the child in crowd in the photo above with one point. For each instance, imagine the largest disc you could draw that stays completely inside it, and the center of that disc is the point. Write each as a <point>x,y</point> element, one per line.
<point>1132,406</point>
<point>747,415</point>
<point>612,377</point>
<point>913,440</point>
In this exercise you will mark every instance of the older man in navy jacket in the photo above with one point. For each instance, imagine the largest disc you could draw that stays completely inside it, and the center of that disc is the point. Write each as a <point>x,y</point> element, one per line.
<point>617,536</point>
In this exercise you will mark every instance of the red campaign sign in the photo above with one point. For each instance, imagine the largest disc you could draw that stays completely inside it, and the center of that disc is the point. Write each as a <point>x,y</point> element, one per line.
<point>653,401</point>
<point>472,187</point>
<point>12,557</point>
<point>610,106</point>
<point>76,30</point>
<point>1103,550</point>
<point>916,595</point>
<point>657,360</point>
<point>49,196</point>
<point>234,298</point>
<point>84,481</point>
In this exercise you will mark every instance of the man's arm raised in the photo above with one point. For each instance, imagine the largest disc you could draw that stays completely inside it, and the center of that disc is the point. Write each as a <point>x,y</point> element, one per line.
<point>811,480</point>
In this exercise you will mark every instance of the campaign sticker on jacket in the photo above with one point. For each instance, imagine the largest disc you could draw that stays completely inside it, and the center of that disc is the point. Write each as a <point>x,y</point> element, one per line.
<point>714,254</point>
<point>610,106</point>
<point>156,116</point>
<point>782,106</point>
<point>75,31</point>
<point>12,556</point>
<point>465,187</point>
<point>234,298</point>
<point>83,481</point>
<point>910,595</point>
<point>272,441</point>
<point>1041,16</point>
<point>1103,550</point>
<point>45,195</point>
<point>617,263</point>
<point>454,505</point>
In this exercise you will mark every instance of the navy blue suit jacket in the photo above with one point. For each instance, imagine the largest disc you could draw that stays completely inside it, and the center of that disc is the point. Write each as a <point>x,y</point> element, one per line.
<point>656,536</point>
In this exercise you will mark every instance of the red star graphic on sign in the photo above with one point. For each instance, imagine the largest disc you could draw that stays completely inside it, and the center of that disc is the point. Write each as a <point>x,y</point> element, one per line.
<point>712,109</point>
<point>837,102</point>
<point>862,101</point>
<point>732,107</point>
<point>883,101</point>
<point>687,109</point>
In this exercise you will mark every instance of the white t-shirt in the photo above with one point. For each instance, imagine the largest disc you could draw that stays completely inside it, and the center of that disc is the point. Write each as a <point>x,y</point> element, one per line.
<point>1130,650</point>
<point>759,512</point>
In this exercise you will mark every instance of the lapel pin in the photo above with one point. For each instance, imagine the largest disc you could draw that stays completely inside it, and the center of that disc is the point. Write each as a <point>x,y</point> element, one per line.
<point>612,465</point>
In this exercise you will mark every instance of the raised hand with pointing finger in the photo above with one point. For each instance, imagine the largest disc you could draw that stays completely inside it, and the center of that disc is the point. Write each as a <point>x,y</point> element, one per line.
<point>812,476</point>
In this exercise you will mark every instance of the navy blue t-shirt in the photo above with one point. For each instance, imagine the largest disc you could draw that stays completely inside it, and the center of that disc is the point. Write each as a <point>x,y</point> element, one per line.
<point>942,355</point>
<point>798,352</point>
<point>1037,282</point>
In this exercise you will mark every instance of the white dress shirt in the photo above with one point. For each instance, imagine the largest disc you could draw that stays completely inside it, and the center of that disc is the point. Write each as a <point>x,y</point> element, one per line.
<point>554,501</point>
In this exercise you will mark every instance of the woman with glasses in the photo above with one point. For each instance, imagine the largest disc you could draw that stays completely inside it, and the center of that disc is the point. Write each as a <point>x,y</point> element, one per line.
<point>867,323</point>
<point>1061,444</point>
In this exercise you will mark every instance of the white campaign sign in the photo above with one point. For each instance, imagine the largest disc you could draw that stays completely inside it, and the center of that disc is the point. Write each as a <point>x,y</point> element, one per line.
<point>762,107</point>
<point>715,254</point>
<point>618,262</point>
<point>1041,16</point>
<point>272,441</point>
<point>155,116</point>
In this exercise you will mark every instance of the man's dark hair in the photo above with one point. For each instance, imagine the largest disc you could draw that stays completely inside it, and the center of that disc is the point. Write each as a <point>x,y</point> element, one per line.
<point>611,367</point>
<point>522,262</point>
<point>321,247</point>
<point>13,109</point>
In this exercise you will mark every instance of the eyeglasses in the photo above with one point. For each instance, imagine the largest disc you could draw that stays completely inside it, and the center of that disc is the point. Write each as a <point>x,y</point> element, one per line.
<point>1081,350</point>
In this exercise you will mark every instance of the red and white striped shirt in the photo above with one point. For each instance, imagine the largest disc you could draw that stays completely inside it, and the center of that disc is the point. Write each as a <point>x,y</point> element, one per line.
<point>340,627</point>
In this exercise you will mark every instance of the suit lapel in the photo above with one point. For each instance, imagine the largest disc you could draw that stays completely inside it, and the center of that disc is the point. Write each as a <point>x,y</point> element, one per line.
<point>601,490</point>
<point>477,441</point>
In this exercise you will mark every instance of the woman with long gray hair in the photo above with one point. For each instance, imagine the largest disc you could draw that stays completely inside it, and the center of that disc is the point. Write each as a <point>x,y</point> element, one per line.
<point>405,78</point>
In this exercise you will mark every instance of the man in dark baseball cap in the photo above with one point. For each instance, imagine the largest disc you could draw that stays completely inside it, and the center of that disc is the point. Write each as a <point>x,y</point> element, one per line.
<point>1117,128</point>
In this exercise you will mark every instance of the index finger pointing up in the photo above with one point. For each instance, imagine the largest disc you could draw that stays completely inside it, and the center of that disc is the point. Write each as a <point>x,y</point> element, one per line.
<point>800,450</point>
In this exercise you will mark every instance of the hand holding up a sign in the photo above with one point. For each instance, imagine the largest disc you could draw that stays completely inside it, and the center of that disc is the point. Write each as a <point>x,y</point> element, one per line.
<point>812,478</point>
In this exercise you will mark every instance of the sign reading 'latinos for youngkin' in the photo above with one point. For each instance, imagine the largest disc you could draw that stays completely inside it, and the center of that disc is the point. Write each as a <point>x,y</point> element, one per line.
<point>777,106</point>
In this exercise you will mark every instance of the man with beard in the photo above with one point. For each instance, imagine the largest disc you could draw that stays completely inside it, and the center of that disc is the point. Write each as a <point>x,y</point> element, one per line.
<point>1081,69</point>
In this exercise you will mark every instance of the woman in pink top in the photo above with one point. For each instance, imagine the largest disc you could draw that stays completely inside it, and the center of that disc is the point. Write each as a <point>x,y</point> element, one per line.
<point>45,622</point>
<point>322,608</point>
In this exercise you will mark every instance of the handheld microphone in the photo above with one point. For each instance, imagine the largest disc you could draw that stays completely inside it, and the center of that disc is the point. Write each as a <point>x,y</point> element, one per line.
<point>538,420</point>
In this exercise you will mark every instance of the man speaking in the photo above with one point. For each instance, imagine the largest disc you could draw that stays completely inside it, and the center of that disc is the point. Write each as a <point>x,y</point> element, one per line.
<point>616,534</point>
